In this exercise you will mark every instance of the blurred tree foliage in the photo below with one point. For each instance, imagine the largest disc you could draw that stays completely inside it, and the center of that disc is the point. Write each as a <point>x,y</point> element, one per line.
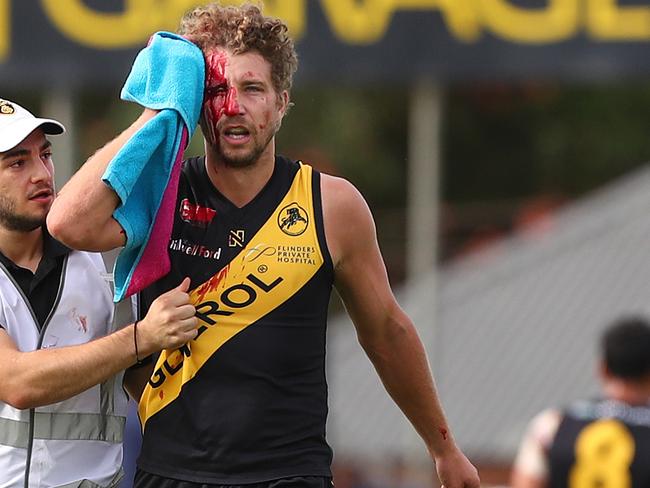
<point>514,153</point>
<point>511,141</point>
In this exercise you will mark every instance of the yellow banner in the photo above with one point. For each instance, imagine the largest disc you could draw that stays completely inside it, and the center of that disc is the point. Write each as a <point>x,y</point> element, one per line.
<point>367,22</point>
<point>354,22</point>
<point>5,28</point>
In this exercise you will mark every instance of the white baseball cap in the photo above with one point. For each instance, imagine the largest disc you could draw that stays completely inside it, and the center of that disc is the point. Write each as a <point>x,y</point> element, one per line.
<point>16,124</point>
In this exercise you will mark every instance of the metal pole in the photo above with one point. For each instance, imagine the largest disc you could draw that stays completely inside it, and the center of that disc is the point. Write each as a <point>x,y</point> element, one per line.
<point>423,178</point>
<point>58,103</point>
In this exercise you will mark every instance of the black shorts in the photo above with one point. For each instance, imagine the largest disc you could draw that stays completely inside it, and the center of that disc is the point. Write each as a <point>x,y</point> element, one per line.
<point>148,480</point>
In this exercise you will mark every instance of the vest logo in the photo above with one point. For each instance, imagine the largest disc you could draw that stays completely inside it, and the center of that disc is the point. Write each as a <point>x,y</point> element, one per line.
<point>192,249</point>
<point>284,254</point>
<point>297,255</point>
<point>6,108</point>
<point>258,251</point>
<point>293,219</point>
<point>196,214</point>
<point>236,238</point>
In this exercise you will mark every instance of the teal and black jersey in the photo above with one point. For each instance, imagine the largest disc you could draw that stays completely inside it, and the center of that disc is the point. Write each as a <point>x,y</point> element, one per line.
<point>601,444</point>
<point>246,401</point>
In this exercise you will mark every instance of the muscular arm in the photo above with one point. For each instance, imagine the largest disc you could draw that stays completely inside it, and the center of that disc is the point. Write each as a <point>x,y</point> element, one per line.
<point>385,332</point>
<point>82,213</point>
<point>35,378</point>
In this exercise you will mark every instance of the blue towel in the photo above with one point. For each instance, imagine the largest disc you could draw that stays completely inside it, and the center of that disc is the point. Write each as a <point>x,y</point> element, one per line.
<point>168,75</point>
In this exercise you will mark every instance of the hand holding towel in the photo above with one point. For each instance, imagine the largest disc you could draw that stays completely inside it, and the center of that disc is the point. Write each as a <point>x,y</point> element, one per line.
<point>168,75</point>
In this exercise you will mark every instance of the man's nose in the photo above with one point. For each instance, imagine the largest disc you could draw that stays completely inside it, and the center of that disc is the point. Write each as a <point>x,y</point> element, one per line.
<point>232,104</point>
<point>42,171</point>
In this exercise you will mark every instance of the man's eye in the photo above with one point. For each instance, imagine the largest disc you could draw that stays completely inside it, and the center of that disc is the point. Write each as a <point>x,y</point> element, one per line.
<point>17,164</point>
<point>47,155</point>
<point>213,91</point>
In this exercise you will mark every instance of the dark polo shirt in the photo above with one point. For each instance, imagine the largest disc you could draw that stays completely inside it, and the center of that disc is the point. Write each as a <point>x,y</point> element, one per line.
<point>41,287</point>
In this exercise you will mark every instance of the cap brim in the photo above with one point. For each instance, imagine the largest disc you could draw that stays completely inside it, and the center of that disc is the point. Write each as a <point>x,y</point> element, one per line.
<point>17,132</point>
<point>51,127</point>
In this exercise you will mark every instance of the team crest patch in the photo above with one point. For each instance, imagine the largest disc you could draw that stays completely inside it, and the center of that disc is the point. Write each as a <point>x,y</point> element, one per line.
<point>293,219</point>
<point>6,108</point>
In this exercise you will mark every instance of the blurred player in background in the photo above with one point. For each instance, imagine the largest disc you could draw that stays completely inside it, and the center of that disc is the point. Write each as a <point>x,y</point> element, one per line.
<point>602,443</point>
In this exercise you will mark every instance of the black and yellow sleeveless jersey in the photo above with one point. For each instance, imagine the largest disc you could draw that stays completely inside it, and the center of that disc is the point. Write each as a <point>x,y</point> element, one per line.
<point>602,444</point>
<point>246,401</point>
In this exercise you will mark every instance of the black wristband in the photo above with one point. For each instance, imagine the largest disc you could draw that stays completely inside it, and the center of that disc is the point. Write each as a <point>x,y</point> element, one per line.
<point>135,343</point>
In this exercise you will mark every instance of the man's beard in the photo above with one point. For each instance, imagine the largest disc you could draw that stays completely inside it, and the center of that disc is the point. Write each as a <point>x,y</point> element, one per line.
<point>10,220</point>
<point>244,160</point>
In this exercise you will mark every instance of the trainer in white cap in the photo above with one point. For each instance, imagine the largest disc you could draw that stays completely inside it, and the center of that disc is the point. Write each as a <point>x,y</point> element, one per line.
<point>16,124</point>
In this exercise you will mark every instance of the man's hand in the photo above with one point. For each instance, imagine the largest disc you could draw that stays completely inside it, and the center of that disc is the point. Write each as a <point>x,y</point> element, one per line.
<point>169,323</point>
<point>455,470</point>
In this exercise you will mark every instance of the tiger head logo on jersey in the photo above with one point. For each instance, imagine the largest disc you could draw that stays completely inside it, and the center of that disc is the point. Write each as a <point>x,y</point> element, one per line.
<point>293,219</point>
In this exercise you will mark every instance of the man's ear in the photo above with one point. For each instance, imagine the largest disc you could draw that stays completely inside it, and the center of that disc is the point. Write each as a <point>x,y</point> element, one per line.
<point>283,100</point>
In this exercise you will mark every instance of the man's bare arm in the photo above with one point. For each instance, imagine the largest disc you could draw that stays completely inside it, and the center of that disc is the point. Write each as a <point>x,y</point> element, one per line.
<point>385,332</point>
<point>45,376</point>
<point>82,213</point>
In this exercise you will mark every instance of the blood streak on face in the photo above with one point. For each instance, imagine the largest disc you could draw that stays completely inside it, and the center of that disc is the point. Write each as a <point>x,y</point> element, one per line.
<point>220,97</point>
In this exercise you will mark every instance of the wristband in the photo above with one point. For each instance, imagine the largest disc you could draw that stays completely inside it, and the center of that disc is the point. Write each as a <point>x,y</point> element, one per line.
<point>135,343</point>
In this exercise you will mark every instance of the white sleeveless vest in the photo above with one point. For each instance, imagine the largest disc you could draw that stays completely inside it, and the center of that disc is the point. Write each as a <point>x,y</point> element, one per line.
<point>76,443</point>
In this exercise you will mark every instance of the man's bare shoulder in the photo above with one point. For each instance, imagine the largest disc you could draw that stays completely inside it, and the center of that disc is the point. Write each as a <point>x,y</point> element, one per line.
<point>531,467</point>
<point>347,217</point>
<point>331,184</point>
<point>339,194</point>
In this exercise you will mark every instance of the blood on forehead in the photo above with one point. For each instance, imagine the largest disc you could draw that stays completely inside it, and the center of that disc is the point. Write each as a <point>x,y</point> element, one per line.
<point>215,69</point>
<point>220,97</point>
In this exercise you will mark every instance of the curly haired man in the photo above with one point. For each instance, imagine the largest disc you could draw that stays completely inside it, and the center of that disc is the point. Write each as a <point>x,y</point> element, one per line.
<point>248,406</point>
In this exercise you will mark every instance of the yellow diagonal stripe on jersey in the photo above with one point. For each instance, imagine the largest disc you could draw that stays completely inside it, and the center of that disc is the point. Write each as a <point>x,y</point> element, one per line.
<point>278,261</point>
